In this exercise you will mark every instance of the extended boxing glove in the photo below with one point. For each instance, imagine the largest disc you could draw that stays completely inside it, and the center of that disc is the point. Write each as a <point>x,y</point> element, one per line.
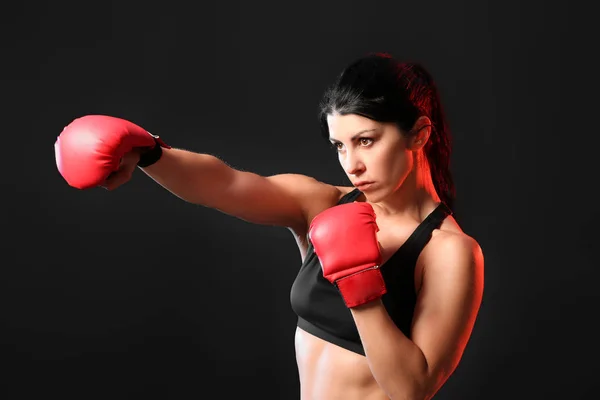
<point>344,238</point>
<point>90,148</point>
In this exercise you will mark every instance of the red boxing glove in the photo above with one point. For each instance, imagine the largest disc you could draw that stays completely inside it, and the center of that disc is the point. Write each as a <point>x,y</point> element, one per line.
<point>90,148</point>
<point>345,241</point>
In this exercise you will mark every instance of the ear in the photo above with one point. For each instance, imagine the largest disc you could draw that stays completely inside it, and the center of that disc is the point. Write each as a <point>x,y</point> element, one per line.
<point>421,131</point>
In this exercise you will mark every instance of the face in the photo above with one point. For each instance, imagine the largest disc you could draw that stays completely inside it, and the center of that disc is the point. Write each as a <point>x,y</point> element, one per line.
<point>374,155</point>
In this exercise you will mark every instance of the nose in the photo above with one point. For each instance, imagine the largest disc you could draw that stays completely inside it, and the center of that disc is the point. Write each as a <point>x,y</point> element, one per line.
<point>352,163</point>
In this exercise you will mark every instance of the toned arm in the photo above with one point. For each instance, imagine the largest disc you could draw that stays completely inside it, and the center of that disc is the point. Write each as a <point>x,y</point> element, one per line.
<point>288,200</point>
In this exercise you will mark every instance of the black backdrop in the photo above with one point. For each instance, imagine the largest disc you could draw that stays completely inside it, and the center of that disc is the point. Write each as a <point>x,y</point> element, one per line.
<point>136,294</point>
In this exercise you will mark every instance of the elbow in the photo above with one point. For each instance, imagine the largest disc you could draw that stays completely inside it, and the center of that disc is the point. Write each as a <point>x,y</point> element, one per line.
<point>419,393</point>
<point>423,389</point>
<point>417,389</point>
<point>416,392</point>
<point>408,396</point>
<point>411,395</point>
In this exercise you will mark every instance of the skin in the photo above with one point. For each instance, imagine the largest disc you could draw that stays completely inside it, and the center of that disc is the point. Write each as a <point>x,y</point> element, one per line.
<point>448,275</point>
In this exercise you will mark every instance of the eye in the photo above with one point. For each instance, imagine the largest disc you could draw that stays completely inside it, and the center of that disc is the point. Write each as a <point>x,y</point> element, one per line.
<point>365,141</point>
<point>337,146</point>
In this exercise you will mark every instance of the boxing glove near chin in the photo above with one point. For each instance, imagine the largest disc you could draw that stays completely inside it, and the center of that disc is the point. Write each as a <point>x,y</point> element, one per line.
<point>344,238</point>
<point>90,148</point>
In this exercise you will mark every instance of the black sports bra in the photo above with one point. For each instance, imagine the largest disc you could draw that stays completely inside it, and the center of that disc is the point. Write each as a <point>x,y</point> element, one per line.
<point>320,308</point>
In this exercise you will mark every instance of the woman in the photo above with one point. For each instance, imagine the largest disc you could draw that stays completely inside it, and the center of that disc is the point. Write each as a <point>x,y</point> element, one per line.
<point>390,286</point>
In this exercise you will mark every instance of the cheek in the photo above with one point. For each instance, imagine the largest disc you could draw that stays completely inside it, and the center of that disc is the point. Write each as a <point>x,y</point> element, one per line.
<point>395,164</point>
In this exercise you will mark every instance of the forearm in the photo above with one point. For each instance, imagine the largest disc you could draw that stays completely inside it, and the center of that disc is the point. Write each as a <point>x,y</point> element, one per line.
<point>397,364</point>
<point>196,178</point>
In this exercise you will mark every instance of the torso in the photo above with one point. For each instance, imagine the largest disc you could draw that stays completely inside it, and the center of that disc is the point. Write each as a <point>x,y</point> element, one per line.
<point>327,371</point>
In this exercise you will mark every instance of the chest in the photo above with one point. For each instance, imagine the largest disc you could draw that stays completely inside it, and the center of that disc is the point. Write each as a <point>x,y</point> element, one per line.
<point>392,235</point>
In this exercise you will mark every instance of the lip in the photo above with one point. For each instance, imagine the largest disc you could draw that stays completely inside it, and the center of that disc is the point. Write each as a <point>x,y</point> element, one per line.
<point>362,185</point>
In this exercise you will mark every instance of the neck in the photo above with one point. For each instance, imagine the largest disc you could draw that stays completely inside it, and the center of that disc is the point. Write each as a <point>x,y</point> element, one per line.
<point>416,197</point>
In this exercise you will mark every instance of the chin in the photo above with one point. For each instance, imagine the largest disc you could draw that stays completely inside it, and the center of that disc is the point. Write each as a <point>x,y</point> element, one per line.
<point>374,196</point>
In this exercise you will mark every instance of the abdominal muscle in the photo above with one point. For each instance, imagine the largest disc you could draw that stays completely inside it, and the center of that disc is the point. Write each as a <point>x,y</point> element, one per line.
<point>329,372</point>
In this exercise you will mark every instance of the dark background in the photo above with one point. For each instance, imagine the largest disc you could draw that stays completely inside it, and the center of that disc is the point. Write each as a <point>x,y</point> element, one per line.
<point>135,294</point>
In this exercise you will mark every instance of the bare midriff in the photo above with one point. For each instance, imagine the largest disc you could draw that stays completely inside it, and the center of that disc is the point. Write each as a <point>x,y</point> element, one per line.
<point>330,372</point>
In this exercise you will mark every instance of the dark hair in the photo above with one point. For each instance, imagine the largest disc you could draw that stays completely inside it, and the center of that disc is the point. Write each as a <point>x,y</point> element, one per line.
<point>383,89</point>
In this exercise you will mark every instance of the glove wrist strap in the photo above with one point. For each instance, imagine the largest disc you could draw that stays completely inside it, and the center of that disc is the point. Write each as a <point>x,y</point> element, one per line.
<point>152,155</point>
<point>362,287</point>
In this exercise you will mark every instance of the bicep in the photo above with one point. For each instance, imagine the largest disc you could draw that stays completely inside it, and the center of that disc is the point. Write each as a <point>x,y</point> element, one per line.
<point>448,305</point>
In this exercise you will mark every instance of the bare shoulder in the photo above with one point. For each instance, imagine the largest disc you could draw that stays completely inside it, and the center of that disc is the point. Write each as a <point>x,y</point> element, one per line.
<point>312,195</point>
<point>453,251</point>
<point>307,188</point>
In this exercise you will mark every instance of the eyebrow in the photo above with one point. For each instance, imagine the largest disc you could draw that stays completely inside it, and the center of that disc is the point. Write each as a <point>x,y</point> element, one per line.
<point>355,135</point>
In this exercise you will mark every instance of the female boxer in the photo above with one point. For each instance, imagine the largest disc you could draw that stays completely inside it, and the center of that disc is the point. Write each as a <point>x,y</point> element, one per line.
<point>390,286</point>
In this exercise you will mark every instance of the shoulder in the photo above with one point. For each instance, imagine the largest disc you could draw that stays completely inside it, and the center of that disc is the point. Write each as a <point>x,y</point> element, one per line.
<point>329,196</point>
<point>313,195</point>
<point>306,188</point>
<point>453,253</point>
<point>455,244</point>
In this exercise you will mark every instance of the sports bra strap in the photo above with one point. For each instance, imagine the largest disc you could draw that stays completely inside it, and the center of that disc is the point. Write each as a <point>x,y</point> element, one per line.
<point>350,197</point>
